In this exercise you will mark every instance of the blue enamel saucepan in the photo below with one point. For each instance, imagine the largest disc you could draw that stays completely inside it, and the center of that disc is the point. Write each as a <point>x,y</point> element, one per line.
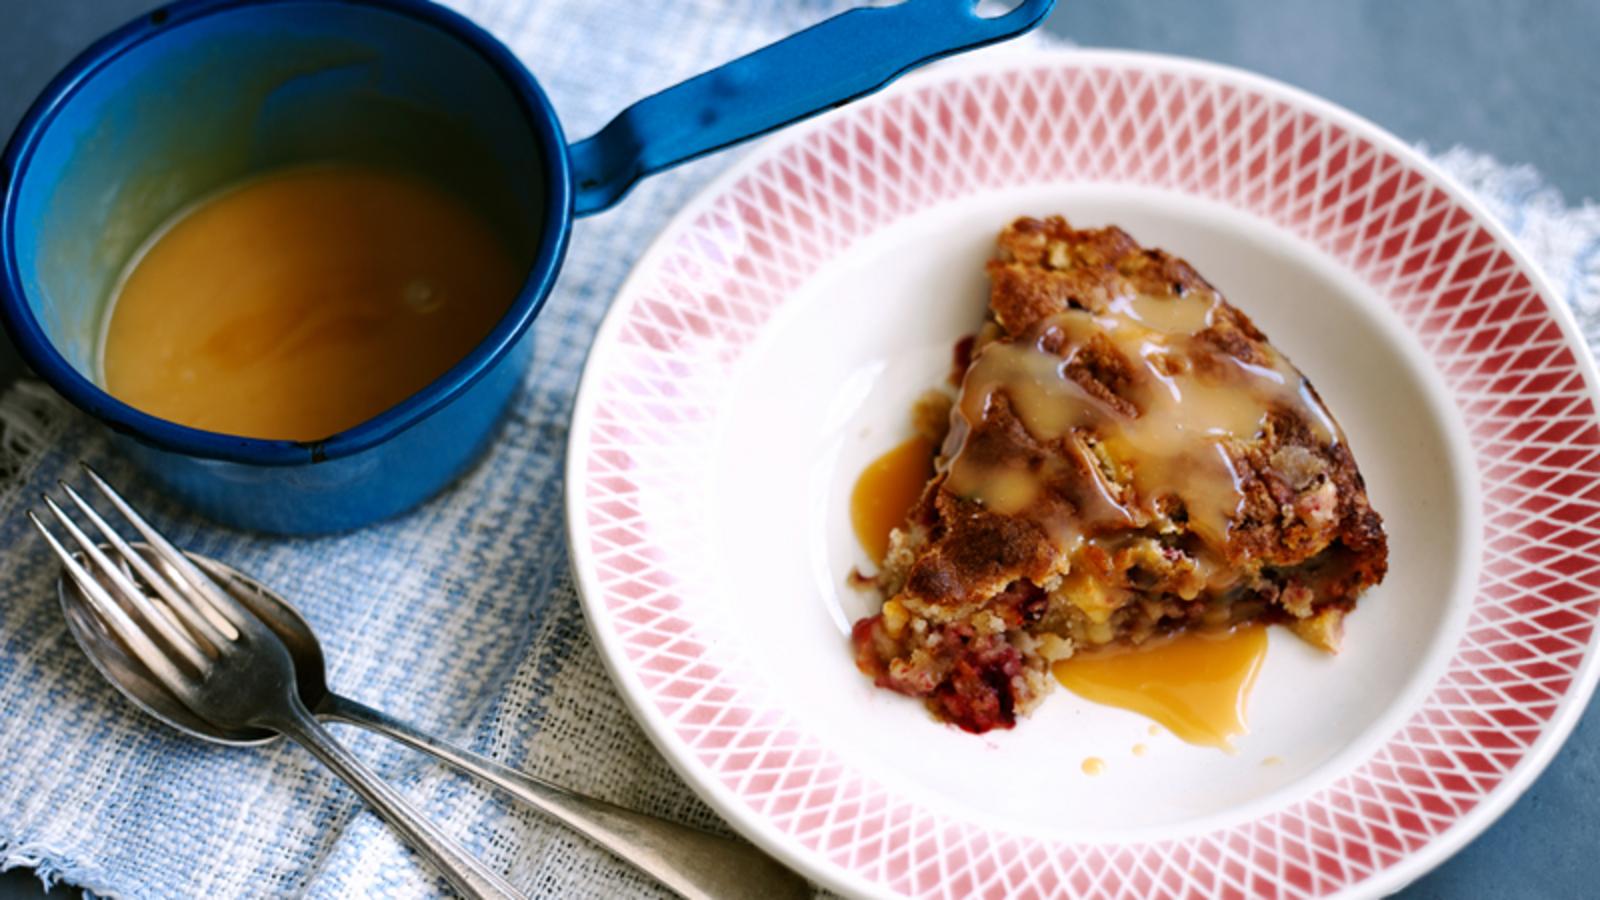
<point>203,93</point>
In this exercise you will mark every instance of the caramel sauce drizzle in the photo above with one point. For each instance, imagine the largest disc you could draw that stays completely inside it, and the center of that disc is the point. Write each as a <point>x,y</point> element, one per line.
<point>1191,400</point>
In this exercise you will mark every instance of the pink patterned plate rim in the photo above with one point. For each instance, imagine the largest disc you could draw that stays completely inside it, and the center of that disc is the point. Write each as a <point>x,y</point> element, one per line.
<point>769,342</point>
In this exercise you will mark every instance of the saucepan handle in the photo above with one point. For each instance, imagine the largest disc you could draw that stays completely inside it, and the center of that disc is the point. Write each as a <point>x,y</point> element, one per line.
<point>829,64</point>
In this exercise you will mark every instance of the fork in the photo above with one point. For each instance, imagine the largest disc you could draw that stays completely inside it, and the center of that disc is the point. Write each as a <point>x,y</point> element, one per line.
<point>228,667</point>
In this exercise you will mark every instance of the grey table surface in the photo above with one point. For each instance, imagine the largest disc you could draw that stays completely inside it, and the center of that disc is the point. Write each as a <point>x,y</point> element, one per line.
<point>1518,79</point>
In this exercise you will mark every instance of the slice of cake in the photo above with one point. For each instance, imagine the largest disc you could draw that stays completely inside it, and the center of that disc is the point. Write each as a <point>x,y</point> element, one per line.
<point>1127,457</point>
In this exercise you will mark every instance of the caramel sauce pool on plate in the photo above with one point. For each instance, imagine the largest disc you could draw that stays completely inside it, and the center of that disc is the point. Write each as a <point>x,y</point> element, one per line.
<point>885,492</point>
<point>1196,684</point>
<point>299,304</point>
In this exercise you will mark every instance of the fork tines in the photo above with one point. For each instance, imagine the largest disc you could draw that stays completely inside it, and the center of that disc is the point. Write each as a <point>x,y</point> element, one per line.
<point>173,605</point>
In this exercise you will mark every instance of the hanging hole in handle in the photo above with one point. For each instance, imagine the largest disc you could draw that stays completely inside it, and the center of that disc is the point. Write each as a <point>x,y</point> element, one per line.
<point>994,9</point>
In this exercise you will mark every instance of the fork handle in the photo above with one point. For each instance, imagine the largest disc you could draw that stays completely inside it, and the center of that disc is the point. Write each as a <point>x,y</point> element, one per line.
<point>465,872</point>
<point>694,863</point>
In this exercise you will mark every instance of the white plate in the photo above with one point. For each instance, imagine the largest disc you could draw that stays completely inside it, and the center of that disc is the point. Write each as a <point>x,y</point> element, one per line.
<point>770,344</point>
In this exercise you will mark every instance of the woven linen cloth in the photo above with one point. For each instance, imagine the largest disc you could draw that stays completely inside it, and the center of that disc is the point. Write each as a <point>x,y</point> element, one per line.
<point>461,616</point>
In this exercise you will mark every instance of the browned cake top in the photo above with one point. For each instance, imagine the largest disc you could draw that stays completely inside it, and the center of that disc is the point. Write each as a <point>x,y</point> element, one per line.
<point>1115,393</point>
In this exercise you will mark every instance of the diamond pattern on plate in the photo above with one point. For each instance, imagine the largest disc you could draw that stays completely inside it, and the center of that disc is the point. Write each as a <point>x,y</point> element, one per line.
<point>1515,377</point>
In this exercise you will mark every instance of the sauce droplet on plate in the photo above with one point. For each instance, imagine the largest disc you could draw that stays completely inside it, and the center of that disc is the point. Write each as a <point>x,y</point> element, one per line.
<point>1195,684</point>
<point>1094,765</point>
<point>885,492</point>
<point>1140,749</point>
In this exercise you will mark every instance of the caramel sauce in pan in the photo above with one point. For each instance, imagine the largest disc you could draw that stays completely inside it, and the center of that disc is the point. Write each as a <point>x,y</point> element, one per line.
<point>886,490</point>
<point>1191,400</point>
<point>302,303</point>
<point>1196,684</point>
